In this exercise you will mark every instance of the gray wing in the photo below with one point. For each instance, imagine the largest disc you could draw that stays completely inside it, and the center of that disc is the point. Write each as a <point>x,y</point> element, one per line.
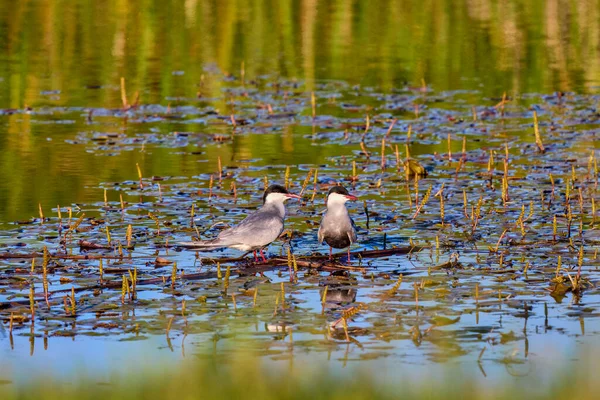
<point>258,229</point>
<point>320,233</point>
<point>352,235</point>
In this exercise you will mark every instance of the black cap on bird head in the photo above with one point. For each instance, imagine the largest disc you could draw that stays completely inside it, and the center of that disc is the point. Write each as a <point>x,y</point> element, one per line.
<point>274,189</point>
<point>339,190</point>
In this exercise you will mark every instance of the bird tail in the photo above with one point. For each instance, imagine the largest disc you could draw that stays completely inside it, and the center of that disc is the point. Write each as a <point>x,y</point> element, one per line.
<point>212,244</point>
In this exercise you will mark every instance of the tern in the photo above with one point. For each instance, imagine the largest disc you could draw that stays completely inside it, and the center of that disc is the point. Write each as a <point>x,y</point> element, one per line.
<point>337,228</point>
<point>257,230</point>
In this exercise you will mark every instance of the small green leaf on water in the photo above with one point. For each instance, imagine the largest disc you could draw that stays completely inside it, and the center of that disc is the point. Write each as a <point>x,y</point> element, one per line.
<point>438,320</point>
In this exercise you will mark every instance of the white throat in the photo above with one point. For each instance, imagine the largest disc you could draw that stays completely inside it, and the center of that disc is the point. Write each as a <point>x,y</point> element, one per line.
<point>336,199</point>
<point>276,200</point>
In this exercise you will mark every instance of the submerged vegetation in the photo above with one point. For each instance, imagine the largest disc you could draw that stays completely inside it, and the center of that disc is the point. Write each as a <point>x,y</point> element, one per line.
<point>477,244</point>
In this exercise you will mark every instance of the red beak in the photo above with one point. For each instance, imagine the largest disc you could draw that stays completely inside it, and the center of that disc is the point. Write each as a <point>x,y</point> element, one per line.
<point>292,196</point>
<point>350,197</point>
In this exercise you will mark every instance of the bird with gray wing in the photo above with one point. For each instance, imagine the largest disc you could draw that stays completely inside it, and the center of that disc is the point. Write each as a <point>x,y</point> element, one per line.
<point>257,230</point>
<point>337,228</point>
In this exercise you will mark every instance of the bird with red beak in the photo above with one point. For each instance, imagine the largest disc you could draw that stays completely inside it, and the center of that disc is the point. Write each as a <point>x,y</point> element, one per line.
<point>257,230</point>
<point>337,228</point>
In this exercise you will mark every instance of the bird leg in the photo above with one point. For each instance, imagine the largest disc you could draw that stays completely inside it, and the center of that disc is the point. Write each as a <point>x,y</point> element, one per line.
<point>255,257</point>
<point>348,255</point>
<point>330,251</point>
<point>262,255</point>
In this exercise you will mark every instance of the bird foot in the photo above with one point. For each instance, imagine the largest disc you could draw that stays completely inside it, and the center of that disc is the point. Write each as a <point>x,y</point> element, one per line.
<point>263,256</point>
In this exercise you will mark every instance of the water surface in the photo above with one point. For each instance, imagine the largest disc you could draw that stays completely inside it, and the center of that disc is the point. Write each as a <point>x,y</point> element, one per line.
<point>438,68</point>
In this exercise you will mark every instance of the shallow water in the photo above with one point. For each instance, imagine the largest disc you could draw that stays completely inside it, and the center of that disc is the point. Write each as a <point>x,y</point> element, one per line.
<point>76,143</point>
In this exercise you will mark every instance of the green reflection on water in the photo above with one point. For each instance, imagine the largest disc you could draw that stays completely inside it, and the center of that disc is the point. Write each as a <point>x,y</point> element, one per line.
<point>74,53</point>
